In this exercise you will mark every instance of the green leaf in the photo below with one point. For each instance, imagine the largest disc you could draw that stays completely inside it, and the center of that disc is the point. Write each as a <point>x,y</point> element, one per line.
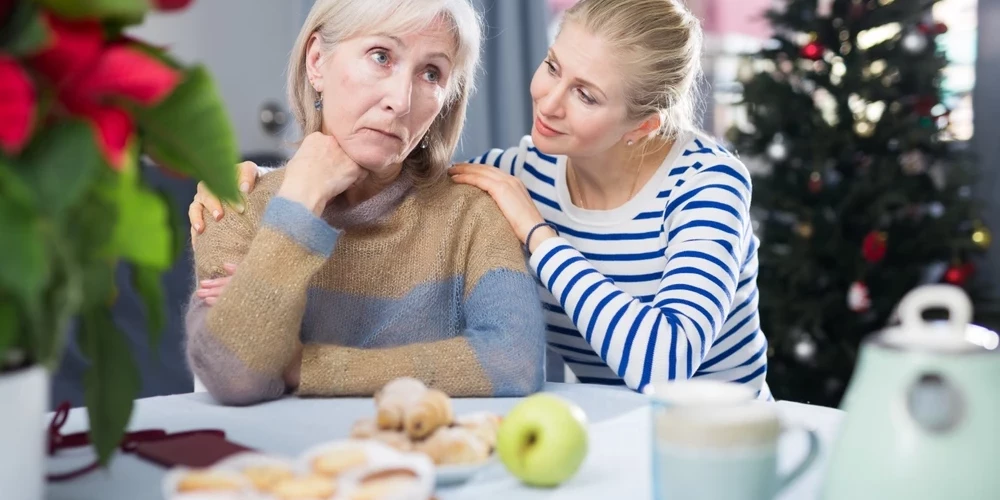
<point>26,32</point>
<point>60,164</point>
<point>102,9</point>
<point>24,264</point>
<point>147,284</point>
<point>111,383</point>
<point>143,234</point>
<point>190,132</point>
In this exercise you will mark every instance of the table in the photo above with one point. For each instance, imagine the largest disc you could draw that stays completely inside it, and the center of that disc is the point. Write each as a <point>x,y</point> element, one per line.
<point>618,464</point>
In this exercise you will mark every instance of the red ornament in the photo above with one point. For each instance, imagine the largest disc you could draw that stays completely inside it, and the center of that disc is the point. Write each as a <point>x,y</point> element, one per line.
<point>924,104</point>
<point>815,182</point>
<point>940,28</point>
<point>812,51</point>
<point>958,274</point>
<point>17,107</point>
<point>874,246</point>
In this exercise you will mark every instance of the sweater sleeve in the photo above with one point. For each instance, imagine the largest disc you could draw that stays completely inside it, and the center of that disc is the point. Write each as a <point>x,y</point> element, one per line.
<point>240,347</point>
<point>706,222</point>
<point>500,352</point>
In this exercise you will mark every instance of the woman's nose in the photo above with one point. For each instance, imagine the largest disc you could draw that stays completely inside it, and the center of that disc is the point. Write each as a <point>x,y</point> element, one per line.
<point>398,94</point>
<point>550,104</point>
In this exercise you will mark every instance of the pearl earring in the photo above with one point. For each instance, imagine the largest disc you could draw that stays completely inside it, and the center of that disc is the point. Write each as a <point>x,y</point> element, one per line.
<point>423,144</point>
<point>629,142</point>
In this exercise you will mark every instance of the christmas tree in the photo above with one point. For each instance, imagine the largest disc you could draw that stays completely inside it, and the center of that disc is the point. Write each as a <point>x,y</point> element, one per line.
<point>866,195</point>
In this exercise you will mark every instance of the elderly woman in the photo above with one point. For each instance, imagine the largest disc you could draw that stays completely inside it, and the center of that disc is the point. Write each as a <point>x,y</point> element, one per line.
<point>359,261</point>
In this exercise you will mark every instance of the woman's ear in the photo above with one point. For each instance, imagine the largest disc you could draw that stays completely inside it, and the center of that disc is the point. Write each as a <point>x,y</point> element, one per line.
<point>645,128</point>
<point>314,59</point>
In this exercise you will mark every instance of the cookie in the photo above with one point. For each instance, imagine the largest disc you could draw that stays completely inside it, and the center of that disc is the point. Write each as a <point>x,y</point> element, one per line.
<point>304,488</point>
<point>209,481</point>
<point>334,463</point>
<point>264,477</point>
<point>384,483</point>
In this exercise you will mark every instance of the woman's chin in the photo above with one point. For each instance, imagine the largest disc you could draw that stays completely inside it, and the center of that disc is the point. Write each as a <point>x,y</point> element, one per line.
<point>548,145</point>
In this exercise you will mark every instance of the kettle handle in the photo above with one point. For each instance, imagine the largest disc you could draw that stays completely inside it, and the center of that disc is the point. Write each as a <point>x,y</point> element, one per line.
<point>920,299</point>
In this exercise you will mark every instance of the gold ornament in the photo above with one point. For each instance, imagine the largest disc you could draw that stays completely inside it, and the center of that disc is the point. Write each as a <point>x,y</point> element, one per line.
<point>981,236</point>
<point>804,229</point>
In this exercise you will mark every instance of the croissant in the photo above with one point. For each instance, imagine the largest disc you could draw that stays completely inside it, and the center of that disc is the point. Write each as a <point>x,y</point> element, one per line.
<point>394,399</point>
<point>429,413</point>
<point>484,425</point>
<point>454,445</point>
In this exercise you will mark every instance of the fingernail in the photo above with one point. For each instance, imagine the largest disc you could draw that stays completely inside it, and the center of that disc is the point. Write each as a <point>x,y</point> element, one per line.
<point>197,227</point>
<point>215,213</point>
<point>207,282</point>
<point>245,187</point>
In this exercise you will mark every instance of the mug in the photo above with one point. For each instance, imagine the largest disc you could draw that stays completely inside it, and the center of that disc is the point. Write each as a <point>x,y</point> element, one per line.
<point>714,441</point>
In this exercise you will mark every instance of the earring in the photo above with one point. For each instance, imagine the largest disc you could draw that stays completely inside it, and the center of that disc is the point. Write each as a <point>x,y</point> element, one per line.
<point>319,102</point>
<point>423,143</point>
<point>629,142</point>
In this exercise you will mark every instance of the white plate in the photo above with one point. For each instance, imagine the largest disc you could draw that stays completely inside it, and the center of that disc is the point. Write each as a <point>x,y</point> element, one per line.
<point>447,475</point>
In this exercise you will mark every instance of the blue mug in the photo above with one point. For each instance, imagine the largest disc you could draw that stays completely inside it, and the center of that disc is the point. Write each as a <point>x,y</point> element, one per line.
<point>714,441</point>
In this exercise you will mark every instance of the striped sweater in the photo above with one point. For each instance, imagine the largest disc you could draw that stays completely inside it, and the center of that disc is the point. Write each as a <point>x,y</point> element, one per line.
<point>429,283</point>
<point>661,288</point>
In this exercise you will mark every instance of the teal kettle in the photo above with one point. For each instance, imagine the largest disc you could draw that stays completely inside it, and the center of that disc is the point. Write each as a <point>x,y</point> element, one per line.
<point>923,409</point>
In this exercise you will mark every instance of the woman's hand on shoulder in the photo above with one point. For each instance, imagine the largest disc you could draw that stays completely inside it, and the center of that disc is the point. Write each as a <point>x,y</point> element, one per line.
<point>203,198</point>
<point>509,194</point>
<point>319,171</point>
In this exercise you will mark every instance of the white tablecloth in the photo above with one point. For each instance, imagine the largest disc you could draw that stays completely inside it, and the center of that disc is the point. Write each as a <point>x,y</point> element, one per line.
<point>618,464</point>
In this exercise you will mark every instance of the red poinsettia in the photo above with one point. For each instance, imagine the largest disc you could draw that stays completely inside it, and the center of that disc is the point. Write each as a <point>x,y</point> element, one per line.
<point>171,4</point>
<point>92,78</point>
<point>17,105</point>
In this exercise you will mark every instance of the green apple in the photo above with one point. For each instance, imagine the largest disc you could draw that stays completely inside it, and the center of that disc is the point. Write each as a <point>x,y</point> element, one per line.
<point>543,440</point>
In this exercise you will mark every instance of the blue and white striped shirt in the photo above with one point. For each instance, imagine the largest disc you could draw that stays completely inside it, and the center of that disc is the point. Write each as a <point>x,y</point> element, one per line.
<point>663,287</point>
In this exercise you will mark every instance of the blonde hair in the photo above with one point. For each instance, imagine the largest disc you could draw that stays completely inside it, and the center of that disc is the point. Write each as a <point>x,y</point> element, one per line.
<point>338,20</point>
<point>659,43</point>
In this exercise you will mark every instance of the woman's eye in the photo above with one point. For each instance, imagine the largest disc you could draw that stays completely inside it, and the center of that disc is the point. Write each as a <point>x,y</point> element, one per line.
<point>380,57</point>
<point>552,67</point>
<point>586,98</point>
<point>432,75</point>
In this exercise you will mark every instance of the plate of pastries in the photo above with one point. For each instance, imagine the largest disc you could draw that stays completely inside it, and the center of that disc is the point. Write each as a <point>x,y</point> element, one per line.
<point>339,470</point>
<point>410,417</point>
<point>412,443</point>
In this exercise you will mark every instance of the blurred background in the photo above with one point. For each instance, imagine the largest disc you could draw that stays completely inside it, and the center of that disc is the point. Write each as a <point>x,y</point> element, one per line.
<point>245,44</point>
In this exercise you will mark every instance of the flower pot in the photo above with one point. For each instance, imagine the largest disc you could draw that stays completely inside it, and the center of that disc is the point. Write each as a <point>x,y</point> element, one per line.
<point>24,396</point>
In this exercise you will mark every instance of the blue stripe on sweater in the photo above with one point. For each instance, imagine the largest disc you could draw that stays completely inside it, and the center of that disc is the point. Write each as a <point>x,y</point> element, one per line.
<point>298,223</point>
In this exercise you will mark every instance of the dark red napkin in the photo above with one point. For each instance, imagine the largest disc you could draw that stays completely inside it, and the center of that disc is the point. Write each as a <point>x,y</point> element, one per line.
<point>196,448</point>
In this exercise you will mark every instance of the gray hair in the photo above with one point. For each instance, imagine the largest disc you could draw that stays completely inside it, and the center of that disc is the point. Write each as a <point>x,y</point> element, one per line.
<point>338,20</point>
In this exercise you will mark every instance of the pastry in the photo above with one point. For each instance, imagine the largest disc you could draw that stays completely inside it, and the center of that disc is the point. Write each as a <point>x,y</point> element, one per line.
<point>364,429</point>
<point>431,411</point>
<point>264,477</point>
<point>484,425</point>
<point>333,463</point>
<point>394,439</point>
<point>367,429</point>
<point>393,400</point>
<point>209,480</point>
<point>304,488</point>
<point>384,483</point>
<point>454,445</point>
